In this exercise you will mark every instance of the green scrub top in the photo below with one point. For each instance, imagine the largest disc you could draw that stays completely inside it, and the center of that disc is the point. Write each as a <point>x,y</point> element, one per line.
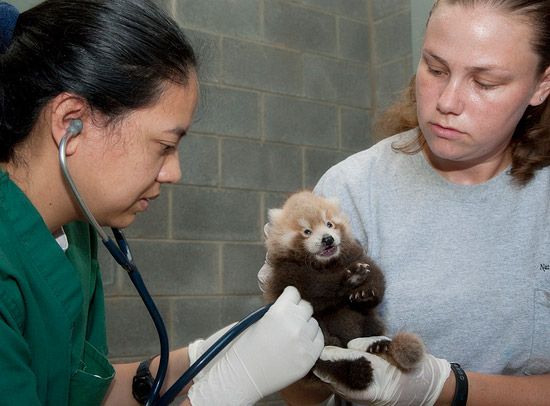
<point>53,347</point>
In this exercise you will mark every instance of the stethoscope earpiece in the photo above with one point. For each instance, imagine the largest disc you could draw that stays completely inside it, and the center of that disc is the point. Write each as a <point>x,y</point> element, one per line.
<point>75,126</point>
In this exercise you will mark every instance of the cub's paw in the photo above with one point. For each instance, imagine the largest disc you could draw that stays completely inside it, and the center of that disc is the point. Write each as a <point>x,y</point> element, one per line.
<point>354,374</point>
<point>379,347</point>
<point>357,274</point>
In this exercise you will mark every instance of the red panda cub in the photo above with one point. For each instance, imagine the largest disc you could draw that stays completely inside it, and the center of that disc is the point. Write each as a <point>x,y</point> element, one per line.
<point>310,246</point>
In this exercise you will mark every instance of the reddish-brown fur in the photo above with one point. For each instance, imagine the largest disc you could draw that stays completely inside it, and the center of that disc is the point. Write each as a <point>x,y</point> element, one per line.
<point>344,289</point>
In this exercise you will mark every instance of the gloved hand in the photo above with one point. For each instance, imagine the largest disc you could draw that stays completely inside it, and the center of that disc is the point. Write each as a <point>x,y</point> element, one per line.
<point>199,347</point>
<point>390,386</point>
<point>276,351</point>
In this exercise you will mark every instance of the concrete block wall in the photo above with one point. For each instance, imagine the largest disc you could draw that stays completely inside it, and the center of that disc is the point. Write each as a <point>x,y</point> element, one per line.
<point>288,88</point>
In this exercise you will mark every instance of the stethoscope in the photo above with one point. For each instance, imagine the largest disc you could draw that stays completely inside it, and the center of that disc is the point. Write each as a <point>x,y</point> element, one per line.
<point>123,256</point>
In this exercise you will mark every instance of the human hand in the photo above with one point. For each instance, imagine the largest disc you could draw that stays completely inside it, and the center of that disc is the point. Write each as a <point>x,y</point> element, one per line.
<point>270,355</point>
<point>198,347</point>
<point>390,386</point>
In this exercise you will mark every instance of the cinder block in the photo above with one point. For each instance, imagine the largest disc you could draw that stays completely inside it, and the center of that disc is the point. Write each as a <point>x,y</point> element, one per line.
<point>193,318</point>
<point>317,161</point>
<point>212,214</point>
<point>207,48</point>
<point>392,79</point>
<point>241,263</point>
<point>165,4</point>
<point>356,128</point>
<point>300,122</point>
<point>130,330</point>
<point>227,111</point>
<point>262,67</point>
<point>299,28</point>
<point>336,81</point>
<point>235,308</point>
<point>274,200</point>
<point>350,8</point>
<point>176,268</point>
<point>354,40</point>
<point>199,160</point>
<point>384,8</point>
<point>230,17</point>
<point>261,166</point>
<point>392,37</point>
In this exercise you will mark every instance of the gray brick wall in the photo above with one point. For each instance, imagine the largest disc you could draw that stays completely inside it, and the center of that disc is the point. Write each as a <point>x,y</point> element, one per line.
<point>288,88</point>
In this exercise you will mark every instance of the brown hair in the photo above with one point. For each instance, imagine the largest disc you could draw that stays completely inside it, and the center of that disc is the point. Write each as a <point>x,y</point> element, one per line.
<point>531,140</point>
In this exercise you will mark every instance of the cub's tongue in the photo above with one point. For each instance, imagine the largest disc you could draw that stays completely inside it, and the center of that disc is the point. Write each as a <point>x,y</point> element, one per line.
<point>327,252</point>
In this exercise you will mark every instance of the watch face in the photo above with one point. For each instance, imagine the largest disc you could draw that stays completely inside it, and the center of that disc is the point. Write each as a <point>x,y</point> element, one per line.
<point>141,387</point>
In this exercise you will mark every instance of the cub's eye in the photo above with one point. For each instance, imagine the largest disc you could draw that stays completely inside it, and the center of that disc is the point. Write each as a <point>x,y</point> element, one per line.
<point>307,231</point>
<point>329,224</point>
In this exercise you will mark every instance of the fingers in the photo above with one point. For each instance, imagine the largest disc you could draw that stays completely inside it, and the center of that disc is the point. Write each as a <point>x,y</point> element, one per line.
<point>363,343</point>
<point>290,295</point>
<point>290,300</point>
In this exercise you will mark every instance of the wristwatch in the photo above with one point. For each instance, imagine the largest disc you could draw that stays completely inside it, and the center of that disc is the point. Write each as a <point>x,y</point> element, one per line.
<point>461,388</point>
<point>142,382</point>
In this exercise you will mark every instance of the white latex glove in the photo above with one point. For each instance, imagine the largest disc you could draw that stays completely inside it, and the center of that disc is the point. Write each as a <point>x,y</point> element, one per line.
<point>199,347</point>
<point>276,351</point>
<point>390,386</point>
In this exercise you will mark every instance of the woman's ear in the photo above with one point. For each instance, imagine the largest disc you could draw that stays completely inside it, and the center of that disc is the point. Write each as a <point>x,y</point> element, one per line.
<point>543,89</point>
<point>64,108</point>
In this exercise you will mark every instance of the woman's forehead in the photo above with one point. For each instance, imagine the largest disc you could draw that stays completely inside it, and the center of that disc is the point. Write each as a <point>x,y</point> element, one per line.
<point>481,36</point>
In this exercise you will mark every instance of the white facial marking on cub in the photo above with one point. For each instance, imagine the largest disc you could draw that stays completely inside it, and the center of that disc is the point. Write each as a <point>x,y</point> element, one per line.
<point>314,243</point>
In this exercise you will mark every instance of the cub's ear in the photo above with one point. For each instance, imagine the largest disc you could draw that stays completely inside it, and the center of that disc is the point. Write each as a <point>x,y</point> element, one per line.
<point>266,229</point>
<point>334,200</point>
<point>273,215</point>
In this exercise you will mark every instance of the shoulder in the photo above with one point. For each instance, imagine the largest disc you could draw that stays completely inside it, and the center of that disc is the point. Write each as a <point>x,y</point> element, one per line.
<point>367,167</point>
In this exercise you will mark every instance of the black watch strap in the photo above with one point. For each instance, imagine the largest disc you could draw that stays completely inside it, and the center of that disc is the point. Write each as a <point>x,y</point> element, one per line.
<point>142,382</point>
<point>461,389</point>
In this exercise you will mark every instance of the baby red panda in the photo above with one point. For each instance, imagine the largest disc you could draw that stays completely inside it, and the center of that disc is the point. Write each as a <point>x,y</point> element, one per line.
<point>310,246</point>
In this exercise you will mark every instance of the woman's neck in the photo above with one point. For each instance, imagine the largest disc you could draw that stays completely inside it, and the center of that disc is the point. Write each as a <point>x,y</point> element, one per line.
<point>41,182</point>
<point>467,172</point>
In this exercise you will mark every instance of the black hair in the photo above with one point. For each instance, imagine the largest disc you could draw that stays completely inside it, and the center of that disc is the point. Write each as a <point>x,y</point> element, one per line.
<point>115,54</point>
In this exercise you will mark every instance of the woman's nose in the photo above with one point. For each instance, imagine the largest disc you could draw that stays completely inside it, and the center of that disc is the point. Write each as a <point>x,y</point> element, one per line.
<point>450,99</point>
<point>170,172</point>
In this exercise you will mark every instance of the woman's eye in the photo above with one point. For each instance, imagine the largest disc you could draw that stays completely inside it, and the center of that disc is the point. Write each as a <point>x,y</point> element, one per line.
<point>329,224</point>
<point>167,148</point>
<point>307,231</point>
<point>435,71</point>
<point>485,86</point>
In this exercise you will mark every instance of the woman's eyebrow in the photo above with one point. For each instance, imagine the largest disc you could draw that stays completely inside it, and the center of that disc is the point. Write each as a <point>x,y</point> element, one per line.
<point>473,69</point>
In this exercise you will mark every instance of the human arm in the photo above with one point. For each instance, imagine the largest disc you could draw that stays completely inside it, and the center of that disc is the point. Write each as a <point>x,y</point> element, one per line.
<point>279,349</point>
<point>432,383</point>
<point>120,391</point>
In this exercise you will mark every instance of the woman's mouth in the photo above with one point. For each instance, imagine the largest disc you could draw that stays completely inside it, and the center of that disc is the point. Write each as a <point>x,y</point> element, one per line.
<point>448,133</point>
<point>143,204</point>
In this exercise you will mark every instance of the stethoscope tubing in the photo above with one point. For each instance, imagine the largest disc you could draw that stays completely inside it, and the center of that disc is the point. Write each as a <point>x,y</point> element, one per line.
<point>123,256</point>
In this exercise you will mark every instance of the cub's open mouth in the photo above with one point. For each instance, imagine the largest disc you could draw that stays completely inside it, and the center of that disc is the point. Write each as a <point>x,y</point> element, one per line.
<point>328,252</point>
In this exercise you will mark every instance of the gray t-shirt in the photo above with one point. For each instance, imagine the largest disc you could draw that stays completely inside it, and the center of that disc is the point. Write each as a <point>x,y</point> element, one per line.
<point>467,267</point>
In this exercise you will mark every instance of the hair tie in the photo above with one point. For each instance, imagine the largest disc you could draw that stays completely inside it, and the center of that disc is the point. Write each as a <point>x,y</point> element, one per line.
<point>8,19</point>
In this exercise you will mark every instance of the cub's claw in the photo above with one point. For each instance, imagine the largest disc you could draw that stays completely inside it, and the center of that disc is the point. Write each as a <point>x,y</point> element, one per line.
<point>379,347</point>
<point>362,296</point>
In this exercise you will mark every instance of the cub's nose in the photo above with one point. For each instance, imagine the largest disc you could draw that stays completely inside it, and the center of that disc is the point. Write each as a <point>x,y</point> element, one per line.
<point>327,240</point>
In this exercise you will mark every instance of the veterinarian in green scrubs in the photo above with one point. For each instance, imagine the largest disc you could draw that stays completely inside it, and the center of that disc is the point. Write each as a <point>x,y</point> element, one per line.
<point>125,71</point>
<point>44,292</point>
